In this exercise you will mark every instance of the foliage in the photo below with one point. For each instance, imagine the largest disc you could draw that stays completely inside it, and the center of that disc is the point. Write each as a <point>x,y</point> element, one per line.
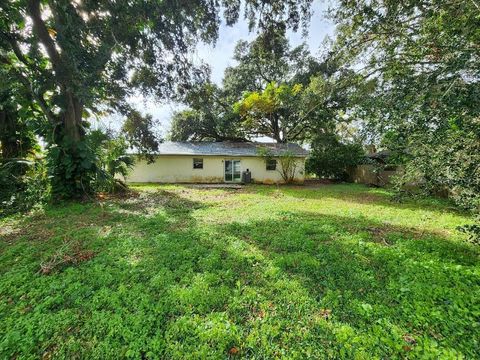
<point>287,161</point>
<point>266,59</point>
<point>73,58</point>
<point>288,167</point>
<point>314,100</point>
<point>139,133</point>
<point>421,61</point>
<point>330,158</point>
<point>24,185</point>
<point>473,231</point>
<point>71,168</point>
<point>17,140</point>
<point>113,162</point>
<point>115,159</point>
<point>209,116</point>
<point>262,76</point>
<point>276,112</point>
<point>17,116</point>
<point>331,272</point>
<point>275,91</point>
<point>23,180</point>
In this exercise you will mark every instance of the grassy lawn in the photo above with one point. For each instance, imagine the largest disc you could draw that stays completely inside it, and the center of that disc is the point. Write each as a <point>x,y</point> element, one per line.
<point>338,271</point>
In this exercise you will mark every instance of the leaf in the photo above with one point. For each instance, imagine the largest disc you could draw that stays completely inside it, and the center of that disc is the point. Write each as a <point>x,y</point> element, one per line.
<point>233,351</point>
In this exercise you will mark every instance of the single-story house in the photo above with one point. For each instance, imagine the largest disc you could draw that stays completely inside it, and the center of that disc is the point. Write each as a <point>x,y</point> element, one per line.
<point>218,162</point>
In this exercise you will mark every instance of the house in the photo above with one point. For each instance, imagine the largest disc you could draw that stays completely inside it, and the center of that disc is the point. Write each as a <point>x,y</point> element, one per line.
<point>218,162</point>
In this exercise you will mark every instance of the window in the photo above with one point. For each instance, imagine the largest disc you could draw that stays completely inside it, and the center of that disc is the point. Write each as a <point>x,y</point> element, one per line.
<point>198,163</point>
<point>271,164</point>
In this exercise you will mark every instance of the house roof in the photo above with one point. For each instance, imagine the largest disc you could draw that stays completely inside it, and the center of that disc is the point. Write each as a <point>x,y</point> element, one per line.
<point>228,148</point>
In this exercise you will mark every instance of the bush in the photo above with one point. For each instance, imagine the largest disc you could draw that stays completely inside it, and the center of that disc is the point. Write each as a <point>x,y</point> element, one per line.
<point>287,161</point>
<point>447,162</point>
<point>111,161</point>
<point>472,231</point>
<point>330,158</point>
<point>24,185</point>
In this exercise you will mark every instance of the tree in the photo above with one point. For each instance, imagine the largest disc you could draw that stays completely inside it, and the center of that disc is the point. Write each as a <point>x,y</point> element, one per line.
<point>276,112</point>
<point>279,92</point>
<point>209,117</point>
<point>268,58</point>
<point>288,163</point>
<point>294,112</point>
<point>17,114</point>
<point>330,158</point>
<point>423,62</point>
<point>138,131</point>
<point>76,56</point>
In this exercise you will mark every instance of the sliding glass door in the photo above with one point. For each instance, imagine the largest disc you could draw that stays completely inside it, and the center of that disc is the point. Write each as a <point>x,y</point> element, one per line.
<point>233,171</point>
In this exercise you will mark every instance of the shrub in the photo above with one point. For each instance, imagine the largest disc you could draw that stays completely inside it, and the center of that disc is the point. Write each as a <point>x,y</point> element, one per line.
<point>24,185</point>
<point>112,161</point>
<point>472,231</point>
<point>447,162</point>
<point>330,158</point>
<point>288,164</point>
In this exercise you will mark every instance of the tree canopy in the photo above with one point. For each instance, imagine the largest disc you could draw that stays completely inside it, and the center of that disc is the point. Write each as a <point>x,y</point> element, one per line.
<point>209,116</point>
<point>422,62</point>
<point>274,90</point>
<point>266,59</point>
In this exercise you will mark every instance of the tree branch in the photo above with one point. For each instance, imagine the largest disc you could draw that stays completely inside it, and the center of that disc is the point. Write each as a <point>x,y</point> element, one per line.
<point>41,31</point>
<point>20,56</point>
<point>27,84</point>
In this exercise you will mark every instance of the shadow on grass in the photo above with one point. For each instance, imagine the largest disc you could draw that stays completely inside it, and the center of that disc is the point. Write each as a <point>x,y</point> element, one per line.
<point>164,285</point>
<point>422,283</point>
<point>358,194</point>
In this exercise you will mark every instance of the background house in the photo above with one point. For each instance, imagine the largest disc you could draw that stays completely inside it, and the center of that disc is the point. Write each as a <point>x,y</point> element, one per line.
<point>218,162</point>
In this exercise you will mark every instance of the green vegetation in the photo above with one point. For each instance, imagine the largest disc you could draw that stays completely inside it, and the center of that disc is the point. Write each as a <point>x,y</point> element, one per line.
<point>421,99</point>
<point>70,62</point>
<point>177,272</point>
<point>330,158</point>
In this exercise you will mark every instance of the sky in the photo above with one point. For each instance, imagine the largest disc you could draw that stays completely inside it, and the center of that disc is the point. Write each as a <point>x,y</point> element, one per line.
<point>219,57</point>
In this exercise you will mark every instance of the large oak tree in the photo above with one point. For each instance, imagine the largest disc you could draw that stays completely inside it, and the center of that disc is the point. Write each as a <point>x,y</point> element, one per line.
<point>76,56</point>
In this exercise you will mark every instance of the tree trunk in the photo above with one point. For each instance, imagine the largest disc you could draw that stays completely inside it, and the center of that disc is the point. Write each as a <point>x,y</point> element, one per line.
<point>72,165</point>
<point>73,162</point>
<point>276,129</point>
<point>72,118</point>
<point>9,142</point>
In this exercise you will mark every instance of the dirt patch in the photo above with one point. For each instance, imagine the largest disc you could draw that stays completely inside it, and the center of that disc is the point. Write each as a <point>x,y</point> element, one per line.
<point>380,234</point>
<point>9,233</point>
<point>34,229</point>
<point>70,253</point>
<point>314,183</point>
<point>216,186</point>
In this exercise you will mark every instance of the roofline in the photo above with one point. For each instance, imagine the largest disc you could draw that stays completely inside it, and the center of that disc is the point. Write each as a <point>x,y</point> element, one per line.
<point>225,155</point>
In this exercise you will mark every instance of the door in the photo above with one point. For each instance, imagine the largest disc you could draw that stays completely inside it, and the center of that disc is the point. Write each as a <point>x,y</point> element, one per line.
<point>233,171</point>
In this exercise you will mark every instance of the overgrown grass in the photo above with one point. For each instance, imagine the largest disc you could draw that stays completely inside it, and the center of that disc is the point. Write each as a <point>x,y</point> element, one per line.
<point>337,271</point>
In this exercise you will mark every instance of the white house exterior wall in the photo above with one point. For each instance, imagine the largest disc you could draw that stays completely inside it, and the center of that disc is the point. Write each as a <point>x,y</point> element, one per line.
<point>179,169</point>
